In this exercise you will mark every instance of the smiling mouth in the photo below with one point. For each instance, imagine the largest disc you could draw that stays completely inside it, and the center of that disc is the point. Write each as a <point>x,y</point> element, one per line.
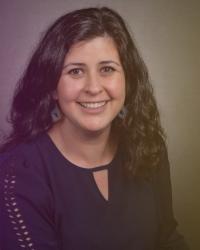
<point>92,105</point>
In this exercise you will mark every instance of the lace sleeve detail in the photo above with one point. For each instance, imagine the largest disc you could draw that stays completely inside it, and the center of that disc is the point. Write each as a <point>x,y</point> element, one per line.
<point>26,206</point>
<point>13,211</point>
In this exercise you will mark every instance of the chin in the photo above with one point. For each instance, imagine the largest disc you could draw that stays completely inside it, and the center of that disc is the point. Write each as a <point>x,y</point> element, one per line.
<point>96,129</point>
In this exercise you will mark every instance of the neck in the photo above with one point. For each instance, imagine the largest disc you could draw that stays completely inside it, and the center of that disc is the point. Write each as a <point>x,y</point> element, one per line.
<point>88,149</point>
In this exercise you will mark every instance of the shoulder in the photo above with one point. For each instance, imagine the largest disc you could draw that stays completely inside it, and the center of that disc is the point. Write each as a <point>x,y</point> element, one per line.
<point>26,199</point>
<point>24,154</point>
<point>22,171</point>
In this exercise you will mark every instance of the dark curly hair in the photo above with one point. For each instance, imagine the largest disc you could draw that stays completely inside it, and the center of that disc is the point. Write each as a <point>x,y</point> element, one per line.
<point>139,131</point>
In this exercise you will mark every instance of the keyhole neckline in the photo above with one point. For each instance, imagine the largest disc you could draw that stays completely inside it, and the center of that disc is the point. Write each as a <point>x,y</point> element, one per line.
<point>81,168</point>
<point>99,168</point>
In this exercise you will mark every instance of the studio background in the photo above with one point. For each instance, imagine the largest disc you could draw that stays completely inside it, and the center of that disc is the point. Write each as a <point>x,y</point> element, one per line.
<point>167,34</point>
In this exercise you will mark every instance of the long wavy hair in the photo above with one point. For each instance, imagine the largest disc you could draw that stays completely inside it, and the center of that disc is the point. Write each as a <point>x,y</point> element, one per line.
<point>139,131</point>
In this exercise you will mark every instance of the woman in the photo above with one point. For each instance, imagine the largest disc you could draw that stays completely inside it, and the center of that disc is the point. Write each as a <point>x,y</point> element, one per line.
<point>85,166</point>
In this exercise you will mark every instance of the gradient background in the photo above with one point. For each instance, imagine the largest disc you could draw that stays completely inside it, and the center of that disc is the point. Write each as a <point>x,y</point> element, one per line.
<point>168,36</point>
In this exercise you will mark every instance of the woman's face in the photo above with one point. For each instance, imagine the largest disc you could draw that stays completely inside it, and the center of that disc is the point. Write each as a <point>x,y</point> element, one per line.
<point>91,89</point>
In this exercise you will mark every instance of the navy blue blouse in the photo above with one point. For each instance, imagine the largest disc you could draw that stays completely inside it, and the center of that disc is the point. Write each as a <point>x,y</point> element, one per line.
<point>48,203</point>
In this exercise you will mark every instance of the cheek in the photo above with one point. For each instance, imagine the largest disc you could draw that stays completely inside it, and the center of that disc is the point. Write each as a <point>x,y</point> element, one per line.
<point>117,88</point>
<point>68,91</point>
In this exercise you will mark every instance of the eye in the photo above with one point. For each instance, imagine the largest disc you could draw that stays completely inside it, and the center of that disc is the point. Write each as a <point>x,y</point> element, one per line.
<point>76,72</point>
<point>107,69</point>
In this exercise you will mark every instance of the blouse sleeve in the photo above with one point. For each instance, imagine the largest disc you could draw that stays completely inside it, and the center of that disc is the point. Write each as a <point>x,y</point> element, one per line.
<point>26,213</point>
<point>169,238</point>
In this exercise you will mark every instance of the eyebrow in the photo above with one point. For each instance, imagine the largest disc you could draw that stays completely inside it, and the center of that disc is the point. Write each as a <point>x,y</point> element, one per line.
<point>109,61</point>
<point>83,64</point>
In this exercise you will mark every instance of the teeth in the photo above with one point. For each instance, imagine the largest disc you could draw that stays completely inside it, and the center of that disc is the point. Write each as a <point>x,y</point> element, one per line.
<point>92,105</point>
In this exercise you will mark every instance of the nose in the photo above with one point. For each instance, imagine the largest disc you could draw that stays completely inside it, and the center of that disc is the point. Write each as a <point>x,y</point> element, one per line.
<point>93,84</point>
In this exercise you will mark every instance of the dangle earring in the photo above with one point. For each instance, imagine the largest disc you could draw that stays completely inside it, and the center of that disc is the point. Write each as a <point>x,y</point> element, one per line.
<point>55,113</point>
<point>123,112</point>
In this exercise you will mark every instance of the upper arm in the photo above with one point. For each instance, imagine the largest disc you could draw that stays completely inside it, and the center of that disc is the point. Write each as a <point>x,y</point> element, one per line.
<point>26,208</point>
<point>169,238</point>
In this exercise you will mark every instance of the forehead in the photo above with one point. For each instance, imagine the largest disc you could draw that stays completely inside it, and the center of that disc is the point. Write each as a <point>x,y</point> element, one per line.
<point>96,48</point>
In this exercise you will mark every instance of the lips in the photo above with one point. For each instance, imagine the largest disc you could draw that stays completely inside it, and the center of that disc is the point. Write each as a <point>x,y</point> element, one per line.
<point>92,105</point>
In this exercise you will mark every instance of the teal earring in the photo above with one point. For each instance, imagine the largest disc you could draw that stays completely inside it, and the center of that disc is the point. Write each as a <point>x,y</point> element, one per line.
<point>123,112</point>
<point>55,113</point>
